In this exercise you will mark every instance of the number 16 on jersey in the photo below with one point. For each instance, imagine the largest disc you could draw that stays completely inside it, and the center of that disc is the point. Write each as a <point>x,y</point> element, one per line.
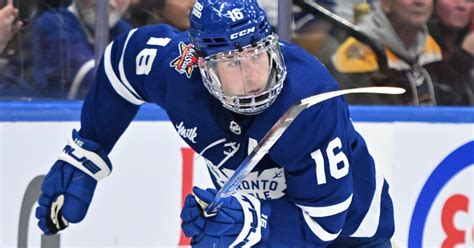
<point>277,130</point>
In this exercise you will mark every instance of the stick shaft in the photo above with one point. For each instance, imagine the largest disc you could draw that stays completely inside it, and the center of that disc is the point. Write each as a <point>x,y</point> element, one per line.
<point>272,136</point>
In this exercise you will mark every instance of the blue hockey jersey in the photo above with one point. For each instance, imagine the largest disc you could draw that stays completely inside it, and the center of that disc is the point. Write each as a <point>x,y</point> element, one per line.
<point>319,177</point>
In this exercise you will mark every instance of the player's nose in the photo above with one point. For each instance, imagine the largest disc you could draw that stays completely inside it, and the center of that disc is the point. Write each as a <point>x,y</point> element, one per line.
<point>249,68</point>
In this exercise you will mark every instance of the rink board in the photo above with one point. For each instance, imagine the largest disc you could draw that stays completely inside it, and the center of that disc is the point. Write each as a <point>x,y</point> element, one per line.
<point>426,153</point>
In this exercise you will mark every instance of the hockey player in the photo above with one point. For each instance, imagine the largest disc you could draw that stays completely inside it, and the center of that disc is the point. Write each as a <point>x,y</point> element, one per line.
<point>228,80</point>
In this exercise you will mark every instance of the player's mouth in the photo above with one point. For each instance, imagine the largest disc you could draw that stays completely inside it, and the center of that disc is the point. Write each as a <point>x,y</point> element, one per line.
<point>255,92</point>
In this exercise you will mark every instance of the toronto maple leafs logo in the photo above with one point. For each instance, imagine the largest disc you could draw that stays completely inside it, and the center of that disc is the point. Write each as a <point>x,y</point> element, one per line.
<point>186,61</point>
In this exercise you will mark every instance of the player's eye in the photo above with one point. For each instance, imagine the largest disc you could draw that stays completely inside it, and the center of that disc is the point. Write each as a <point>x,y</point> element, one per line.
<point>232,64</point>
<point>256,56</point>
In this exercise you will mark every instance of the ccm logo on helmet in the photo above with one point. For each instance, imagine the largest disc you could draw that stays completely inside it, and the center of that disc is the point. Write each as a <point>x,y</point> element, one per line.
<point>242,33</point>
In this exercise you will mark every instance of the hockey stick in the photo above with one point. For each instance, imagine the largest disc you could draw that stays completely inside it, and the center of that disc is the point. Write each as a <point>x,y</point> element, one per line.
<point>230,187</point>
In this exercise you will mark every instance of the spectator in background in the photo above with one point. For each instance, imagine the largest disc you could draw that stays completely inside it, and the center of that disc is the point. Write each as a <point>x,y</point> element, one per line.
<point>348,9</point>
<point>400,26</point>
<point>68,72</point>
<point>9,24</point>
<point>450,26</point>
<point>172,12</point>
<point>312,32</point>
<point>309,32</point>
<point>61,45</point>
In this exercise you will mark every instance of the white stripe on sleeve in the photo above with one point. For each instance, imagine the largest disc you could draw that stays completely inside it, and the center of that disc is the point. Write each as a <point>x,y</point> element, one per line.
<point>118,86</point>
<point>123,77</point>
<point>370,223</point>
<point>318,230</point>
<point>328,210</point>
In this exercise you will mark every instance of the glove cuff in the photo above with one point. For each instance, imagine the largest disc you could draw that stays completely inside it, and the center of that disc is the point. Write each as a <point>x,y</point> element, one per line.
<point>86,156</point>
<point>255,223</point>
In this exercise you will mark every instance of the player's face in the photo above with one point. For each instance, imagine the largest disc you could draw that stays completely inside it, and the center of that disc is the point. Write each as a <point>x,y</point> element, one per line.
<point>246,75</point>
<point>245,80</point>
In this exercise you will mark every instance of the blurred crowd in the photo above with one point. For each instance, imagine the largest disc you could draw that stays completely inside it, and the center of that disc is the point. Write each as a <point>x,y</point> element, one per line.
<point>48,51</point>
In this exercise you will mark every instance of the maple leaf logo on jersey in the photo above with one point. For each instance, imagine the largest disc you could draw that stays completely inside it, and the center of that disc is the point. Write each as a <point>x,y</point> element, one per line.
<point>186,61</point>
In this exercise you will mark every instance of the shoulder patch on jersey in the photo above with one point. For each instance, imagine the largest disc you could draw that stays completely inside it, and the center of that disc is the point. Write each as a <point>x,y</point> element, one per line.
<point>186,61</point>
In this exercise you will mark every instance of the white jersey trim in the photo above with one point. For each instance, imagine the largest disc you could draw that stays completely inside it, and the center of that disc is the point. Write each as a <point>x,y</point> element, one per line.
<point>328,210</point>
<point>118,86</point>
<point>123,77</point>
<point>318,230</point>
<point>369,225</point>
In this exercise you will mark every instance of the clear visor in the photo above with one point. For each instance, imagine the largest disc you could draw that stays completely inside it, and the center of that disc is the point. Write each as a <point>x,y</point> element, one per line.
<point>246,80</point>
<point>243,73</point>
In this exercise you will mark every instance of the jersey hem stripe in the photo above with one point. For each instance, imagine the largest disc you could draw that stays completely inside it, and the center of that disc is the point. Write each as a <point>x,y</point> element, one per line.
<point>318,230</point>
<point>327,210</point>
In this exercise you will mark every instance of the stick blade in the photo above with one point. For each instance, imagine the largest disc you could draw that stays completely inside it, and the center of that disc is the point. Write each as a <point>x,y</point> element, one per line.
<point>383,90</point>
<point>312,100</point>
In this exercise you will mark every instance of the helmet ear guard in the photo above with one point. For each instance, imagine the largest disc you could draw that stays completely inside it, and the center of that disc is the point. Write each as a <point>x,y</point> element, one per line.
<point>225,31</point>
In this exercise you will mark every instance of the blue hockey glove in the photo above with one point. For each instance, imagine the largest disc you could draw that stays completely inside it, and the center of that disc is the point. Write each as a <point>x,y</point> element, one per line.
<point>68,187</point>
<point>241,220</point>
